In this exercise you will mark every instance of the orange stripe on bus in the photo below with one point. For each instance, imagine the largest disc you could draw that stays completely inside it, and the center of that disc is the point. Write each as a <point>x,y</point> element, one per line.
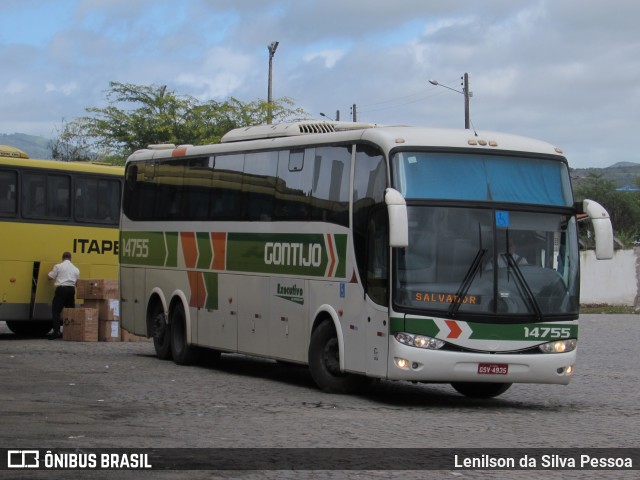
<point>219,243</point>
<point>198,293</point>
<point>189,248</point>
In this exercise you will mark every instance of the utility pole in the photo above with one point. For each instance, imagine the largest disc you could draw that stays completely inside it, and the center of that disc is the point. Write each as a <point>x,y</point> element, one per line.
<point>272,51</point>
<point>465,91</point>
<point>353,111</point>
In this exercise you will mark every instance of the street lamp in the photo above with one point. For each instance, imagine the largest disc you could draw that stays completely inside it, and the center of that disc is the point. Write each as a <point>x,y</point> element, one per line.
<point>272,51</point>
<point>465,91</point>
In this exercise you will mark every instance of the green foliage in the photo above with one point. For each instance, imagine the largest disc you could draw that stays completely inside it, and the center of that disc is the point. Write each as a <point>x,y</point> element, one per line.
<point>138,115</point>
<point>623,207</point>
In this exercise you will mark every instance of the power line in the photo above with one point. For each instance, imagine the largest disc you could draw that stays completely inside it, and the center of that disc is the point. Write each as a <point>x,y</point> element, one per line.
<point>424,97</point>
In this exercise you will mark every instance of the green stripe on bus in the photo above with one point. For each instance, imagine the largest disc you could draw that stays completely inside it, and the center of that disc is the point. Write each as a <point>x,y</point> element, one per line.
<point>204,250</point>
<point>171,239</point>
<point>286,254</point>
<point>211,286</point>
<point>421,326</point>
<point>489,331</point>
<point>529,331</point>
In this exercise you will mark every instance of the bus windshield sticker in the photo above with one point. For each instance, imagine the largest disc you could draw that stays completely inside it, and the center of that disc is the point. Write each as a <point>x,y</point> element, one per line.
<point>502,219</point>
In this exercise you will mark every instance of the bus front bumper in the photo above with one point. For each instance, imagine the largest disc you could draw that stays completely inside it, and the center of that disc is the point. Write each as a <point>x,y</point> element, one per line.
<point>421,365</point>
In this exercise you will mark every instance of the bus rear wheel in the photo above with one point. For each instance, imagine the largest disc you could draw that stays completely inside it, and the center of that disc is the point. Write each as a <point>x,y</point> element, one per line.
<point>324,363</point>
<point>183,354</point>
<point>480,390</point>
<point>38,328</point>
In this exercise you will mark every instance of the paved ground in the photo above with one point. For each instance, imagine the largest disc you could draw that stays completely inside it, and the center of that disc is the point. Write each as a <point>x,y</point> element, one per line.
<point>57,394</point>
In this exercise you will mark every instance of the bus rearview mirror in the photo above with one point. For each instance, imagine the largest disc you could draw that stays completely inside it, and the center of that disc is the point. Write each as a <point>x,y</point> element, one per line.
<point>398,221</point>
<point>601,228</point>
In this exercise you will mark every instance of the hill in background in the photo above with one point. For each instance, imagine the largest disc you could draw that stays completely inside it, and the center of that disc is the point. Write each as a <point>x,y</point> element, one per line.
<point>621,174</point>
<point>35,147</point>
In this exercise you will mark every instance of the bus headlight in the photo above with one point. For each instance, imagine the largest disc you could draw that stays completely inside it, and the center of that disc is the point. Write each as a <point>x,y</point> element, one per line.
<point>560,346</point>
<point>420,341</point>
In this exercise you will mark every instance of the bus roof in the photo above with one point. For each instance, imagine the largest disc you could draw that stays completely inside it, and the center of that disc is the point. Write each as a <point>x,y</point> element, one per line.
<point>301,134</point>
<point>88,167</point>
<point>12,152</point>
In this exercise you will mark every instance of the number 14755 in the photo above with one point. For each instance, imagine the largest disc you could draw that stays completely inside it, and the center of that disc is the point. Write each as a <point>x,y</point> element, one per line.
<point>547,332</point>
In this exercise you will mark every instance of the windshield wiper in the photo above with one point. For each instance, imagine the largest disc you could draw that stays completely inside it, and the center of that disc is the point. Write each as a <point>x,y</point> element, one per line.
<point>474,268</point>
<point>530,297</point>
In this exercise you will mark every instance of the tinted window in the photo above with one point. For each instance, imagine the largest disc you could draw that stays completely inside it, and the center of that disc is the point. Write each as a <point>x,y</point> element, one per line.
<point>258,185</point>
<point>97,200</point>
<point>8,189</point>
<point>330,186</point>
<point>226,197</point>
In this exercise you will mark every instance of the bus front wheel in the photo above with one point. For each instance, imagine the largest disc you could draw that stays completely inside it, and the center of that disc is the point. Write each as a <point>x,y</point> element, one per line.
<point>324,363</point>
<point>183,354</point>
<point>480,390</point>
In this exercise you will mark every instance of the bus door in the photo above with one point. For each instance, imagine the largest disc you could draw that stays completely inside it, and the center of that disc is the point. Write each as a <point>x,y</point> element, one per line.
<point>377,294</point>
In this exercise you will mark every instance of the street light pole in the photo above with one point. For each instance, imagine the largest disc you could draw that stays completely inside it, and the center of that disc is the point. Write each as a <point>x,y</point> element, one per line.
<point>467,94</point>
<point>272,51</point>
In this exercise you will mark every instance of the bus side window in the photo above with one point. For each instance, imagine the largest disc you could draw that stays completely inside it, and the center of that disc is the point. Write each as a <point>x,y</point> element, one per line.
<point>258,185</point>
<point>59,196</point>
<point>292,201</point>
<point>8,183</point>
<point>331,173</point>
<point>34,191</point>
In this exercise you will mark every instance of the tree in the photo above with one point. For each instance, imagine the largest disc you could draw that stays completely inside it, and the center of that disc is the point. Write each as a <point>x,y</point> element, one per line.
<point>623,207</point>
<point>158,115</point>
<point>70,144</point>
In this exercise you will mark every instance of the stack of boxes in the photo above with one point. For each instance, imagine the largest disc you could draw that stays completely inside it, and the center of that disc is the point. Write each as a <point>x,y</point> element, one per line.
<point>101,296</point>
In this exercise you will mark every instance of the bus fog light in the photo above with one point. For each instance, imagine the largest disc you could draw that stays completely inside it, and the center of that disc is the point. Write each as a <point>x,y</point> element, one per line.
<point>402,363</point>
<point>560,346</point>
<point>420,341</point>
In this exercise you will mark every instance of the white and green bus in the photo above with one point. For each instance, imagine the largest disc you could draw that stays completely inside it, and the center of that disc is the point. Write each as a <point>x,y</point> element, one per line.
<point>363,251</point>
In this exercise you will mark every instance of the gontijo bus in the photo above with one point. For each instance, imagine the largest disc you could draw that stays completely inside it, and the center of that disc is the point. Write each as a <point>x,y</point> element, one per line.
<point>47,208</point>
<point>363,251</point>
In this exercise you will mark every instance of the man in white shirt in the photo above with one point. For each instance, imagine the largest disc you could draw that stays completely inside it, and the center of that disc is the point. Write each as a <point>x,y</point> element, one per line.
<point>65,275</point>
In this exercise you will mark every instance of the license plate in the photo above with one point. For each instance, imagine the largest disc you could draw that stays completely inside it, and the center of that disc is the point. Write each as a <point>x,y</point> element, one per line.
<point>493,368</point>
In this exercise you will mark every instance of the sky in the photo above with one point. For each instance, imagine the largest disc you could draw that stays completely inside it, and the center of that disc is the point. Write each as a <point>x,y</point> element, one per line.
<point>563,71</point>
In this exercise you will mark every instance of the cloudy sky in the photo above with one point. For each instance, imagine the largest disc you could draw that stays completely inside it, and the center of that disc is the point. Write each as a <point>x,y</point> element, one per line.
<point>565,71</point>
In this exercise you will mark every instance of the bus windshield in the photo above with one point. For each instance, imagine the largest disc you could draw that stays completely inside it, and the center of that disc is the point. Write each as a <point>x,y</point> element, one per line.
<point>476,258</point>
<point>460,262</point>
<point>457,176</point>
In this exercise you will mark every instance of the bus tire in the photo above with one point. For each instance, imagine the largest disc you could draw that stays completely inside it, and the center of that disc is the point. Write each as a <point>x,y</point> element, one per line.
<point>480,390</point>
<point>183,354</point>
<point>161,335</point>
<point>38,328</point>
<point>324,363</point>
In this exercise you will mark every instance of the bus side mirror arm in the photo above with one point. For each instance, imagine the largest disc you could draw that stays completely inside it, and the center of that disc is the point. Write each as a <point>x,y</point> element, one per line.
<point>601,228</point>
<point>398,220</point>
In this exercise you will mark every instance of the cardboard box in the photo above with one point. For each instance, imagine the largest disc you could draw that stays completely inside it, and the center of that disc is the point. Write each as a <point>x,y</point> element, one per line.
<point>80,324</point>
<point>108,309</point>
<point>108,331</point>
<point>97,289</point>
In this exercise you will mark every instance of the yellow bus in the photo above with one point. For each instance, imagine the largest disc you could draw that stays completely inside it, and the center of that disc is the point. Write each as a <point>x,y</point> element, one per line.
<point>47,208</point>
